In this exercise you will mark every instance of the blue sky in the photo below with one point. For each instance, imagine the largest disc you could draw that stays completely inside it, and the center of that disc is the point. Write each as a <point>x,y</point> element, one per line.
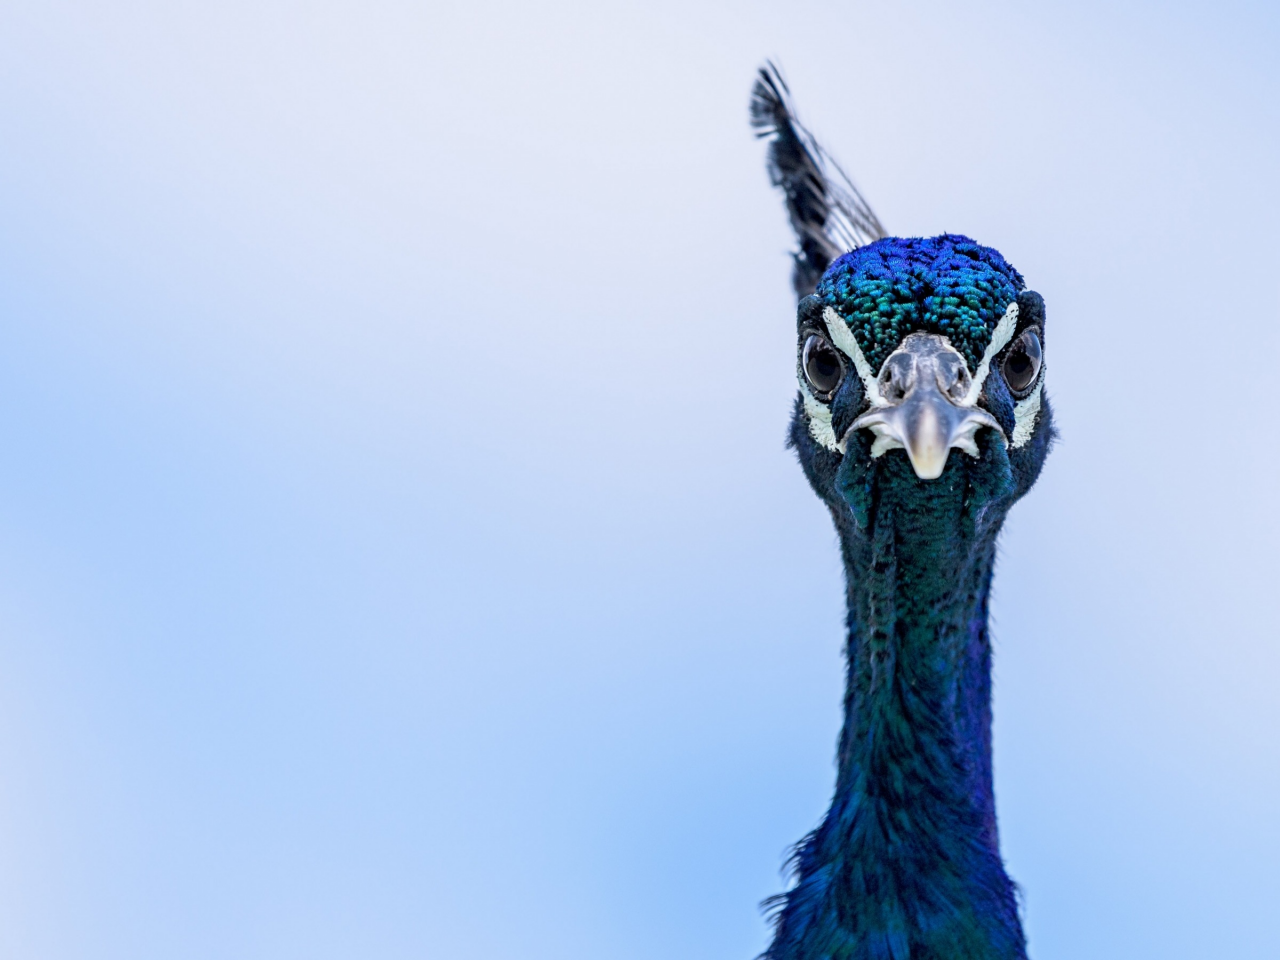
<point>398,552</point>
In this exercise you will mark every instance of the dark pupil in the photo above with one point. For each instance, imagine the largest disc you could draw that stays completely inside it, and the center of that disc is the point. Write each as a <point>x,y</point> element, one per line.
<point>821,365</point>
<point>1023,363</point>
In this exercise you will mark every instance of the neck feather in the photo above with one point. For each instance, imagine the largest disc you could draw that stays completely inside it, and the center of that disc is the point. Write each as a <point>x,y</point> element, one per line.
<point>906,862</point>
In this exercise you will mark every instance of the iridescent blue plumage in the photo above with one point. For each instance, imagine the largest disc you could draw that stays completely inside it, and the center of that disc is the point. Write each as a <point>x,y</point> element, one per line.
<point>947,285</point>
<point>921,421</point>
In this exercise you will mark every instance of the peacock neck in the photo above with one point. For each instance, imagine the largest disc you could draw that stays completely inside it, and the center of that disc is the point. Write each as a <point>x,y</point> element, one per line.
<point>916,741</point>
<point>906,863</point>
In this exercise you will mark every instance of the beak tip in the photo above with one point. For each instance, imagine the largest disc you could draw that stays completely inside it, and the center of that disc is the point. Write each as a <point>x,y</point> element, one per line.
<point>928,465</point>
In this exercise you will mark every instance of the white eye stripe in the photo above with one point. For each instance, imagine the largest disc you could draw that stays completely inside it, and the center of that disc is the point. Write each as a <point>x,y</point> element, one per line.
<point>819,414</point>
<point>844,339</point>
<point>1000,338</point>
<point>1025,413</point>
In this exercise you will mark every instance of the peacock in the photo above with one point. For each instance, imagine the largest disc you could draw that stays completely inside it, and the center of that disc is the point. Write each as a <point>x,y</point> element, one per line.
<point>920,420</point>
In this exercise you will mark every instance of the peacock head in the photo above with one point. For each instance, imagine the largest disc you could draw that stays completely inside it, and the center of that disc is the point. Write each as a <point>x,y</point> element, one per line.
<point>922,353</point>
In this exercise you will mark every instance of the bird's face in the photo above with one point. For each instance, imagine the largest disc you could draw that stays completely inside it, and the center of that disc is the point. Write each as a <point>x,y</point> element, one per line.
<point>921,364</point>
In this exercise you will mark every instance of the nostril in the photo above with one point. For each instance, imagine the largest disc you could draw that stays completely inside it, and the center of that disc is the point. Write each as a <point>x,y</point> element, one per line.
<point>896,378</point>
<point>953,378</point>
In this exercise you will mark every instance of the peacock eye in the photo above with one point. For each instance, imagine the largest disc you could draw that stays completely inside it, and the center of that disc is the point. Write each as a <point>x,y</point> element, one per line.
<point>822,366</point>
<point>1022,364</point>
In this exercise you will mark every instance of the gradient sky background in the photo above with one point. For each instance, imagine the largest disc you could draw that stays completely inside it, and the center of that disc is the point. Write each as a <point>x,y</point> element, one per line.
<point>399,556</point>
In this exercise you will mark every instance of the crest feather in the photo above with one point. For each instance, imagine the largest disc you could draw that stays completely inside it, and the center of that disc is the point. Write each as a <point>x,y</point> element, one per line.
<point>829,215</point>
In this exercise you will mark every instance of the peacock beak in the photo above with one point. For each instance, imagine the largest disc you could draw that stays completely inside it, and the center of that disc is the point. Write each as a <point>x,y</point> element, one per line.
<point>924,406</point>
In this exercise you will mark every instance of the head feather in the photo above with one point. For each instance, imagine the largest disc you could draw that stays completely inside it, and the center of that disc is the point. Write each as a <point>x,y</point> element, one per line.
<point>829,215</point>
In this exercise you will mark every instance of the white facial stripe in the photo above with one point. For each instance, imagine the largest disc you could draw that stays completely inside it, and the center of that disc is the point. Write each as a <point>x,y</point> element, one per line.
<point>1025,413</point>
<point>819,414</point>
<point>1000,338</point>
<point>843,338</point>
